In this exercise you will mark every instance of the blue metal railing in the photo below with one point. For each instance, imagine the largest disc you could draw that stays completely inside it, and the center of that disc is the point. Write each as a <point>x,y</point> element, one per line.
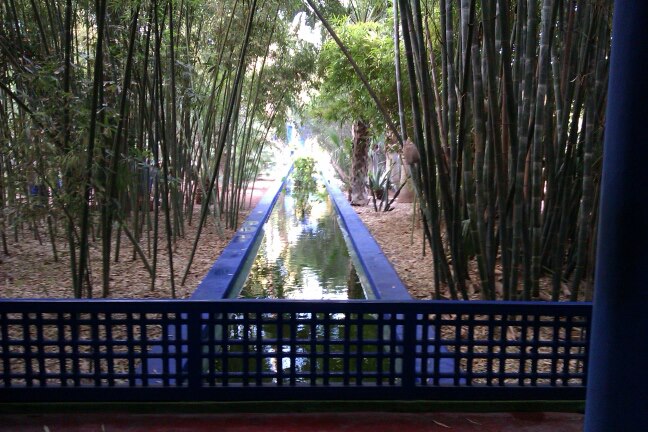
<point>269,350</point>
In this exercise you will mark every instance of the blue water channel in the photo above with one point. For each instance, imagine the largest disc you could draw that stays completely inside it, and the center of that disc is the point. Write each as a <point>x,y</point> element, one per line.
<point>303,254</point>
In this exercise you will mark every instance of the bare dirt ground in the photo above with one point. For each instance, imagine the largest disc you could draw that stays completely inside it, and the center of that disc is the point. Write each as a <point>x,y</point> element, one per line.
<point>402,243</point>
<point>30,271</point>
<point>401,238</point>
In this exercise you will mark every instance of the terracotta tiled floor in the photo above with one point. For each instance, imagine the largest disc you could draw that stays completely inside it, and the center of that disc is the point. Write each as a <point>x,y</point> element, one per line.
<point>324,422</point>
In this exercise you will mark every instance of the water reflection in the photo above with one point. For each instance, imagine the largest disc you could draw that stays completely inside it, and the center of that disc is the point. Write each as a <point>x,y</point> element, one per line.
<point>303,254</point>
<point>320,348</point>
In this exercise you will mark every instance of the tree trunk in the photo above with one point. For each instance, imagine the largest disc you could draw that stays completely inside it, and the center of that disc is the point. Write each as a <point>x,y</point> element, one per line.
<point>359,163</point>
<point>407,194</point>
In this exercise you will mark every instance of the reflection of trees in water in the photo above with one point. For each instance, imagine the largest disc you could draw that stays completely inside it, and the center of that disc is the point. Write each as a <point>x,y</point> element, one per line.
<point>329,327</point>
<point>353,283</point>
<point>319,251</point>
<point>304,185</point>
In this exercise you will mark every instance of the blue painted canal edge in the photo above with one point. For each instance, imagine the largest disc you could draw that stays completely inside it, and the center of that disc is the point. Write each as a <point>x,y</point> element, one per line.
<point>230,267</point>
<point>376,268</point>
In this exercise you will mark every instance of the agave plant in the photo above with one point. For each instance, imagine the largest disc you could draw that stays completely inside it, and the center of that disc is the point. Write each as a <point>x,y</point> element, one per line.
<point>379,185</point>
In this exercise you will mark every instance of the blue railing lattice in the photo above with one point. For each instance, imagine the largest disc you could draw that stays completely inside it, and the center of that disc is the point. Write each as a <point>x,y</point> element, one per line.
<point>269,350</point>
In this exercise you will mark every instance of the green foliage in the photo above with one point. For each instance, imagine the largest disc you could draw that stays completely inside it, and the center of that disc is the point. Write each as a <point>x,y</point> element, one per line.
<point>288,75</point>
<point>160,118</point>
<point>379,180</point>
<point>340,150</point>
<point>342,96</point>
<point>304,183</point>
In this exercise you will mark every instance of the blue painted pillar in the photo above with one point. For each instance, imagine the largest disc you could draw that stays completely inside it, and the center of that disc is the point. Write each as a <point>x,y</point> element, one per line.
<point>617,391</point>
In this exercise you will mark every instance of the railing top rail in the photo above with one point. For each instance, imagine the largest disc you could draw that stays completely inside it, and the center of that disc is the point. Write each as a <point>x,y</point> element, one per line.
<point>386,306</point>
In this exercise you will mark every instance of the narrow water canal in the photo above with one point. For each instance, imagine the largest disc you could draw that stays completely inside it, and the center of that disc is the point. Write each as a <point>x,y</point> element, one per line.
<point>303,254</point>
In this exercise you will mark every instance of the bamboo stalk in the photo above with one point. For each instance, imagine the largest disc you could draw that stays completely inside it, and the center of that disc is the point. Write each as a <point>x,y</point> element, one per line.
<point>98,80</point>
<point>111,187</point>
<point>538,145</point>
<point>223,134</point>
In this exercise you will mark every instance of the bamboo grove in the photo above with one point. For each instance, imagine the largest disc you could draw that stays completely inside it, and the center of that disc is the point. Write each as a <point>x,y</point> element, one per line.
<point>118,117</point>
<point>508,114</point>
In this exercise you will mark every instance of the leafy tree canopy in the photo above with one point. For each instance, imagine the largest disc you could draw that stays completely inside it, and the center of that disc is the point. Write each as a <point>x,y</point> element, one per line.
<point>342,96</point>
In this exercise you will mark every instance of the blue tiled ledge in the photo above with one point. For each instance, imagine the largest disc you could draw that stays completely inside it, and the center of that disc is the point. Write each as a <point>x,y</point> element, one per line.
<point>230,265</point>
<point>376,268</point>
